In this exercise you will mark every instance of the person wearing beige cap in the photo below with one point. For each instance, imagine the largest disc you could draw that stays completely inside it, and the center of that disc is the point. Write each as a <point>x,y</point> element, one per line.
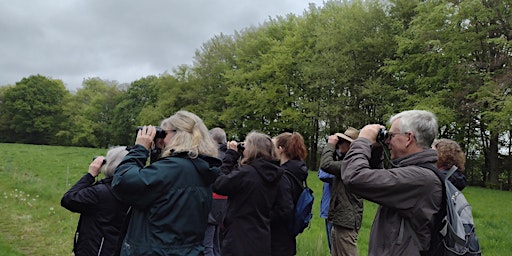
<point>345,208</point>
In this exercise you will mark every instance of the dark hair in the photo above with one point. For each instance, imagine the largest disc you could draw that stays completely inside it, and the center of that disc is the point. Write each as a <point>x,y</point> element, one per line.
<point>293,145</point>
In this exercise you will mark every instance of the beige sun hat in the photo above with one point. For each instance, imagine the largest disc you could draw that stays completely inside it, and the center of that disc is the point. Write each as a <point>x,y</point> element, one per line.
<point>350,134</point>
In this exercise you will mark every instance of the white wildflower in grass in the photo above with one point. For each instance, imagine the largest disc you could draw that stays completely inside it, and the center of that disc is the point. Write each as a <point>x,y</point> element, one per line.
<point>21,197</point>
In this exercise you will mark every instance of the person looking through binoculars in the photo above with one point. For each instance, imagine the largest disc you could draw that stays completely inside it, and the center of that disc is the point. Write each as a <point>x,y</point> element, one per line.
<point>171,197</point>
<point>408,193</point>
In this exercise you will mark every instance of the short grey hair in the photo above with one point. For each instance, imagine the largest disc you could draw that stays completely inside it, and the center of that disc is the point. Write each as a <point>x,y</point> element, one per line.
<point>423,124</point>
<point>218,135</point>
<point>114,157</point>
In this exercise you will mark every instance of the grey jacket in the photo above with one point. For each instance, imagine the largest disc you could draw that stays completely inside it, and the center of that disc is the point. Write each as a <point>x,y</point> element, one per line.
<point>408,196</point>
<point>345,208</point>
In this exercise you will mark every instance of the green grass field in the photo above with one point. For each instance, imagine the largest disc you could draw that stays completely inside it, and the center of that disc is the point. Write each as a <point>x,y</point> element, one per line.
<point>33,179</point>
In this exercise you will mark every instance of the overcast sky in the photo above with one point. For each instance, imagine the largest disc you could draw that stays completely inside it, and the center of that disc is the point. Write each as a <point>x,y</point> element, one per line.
<point>121,40</point>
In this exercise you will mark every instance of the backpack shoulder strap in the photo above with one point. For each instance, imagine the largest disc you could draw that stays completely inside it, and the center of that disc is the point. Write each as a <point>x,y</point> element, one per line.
<point>441,177</point>
<point>438,230</point>
<point>451,171</point>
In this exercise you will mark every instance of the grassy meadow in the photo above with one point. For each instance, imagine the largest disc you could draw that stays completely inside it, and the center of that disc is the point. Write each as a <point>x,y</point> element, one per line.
<point>33,179</point>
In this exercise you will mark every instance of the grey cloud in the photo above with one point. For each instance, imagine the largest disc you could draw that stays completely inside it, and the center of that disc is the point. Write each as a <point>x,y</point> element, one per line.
<point>118,40</point>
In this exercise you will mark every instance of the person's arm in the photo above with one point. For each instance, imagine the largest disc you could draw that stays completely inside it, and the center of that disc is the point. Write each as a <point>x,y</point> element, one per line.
<point>230,161</point>
<point>231,183</point>
<point>138,185</point>
<point>397,188</point>
<point>327,162</point>
<point>82,197</point>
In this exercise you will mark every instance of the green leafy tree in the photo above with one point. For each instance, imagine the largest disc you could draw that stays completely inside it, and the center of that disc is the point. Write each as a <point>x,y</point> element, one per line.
<point>6,134</point>
<point>212,62</point>
<point>126,114</point>
<point>32,110</point>
<point>173,95</point>
<point>91,113</point>
<point>454,59</point>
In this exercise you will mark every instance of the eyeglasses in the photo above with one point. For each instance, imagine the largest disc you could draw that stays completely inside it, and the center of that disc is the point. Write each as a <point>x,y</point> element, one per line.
<point>392,134</point>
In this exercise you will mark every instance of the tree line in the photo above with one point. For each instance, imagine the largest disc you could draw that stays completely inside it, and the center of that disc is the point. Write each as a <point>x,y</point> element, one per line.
<point>347,63</point>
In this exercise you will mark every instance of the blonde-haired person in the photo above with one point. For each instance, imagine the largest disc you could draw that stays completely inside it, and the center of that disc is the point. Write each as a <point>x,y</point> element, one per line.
<point>251,188</point>
<point>101,212</point>
<point>450,154</point>
<point>292,153</point>
<point>172,196</point>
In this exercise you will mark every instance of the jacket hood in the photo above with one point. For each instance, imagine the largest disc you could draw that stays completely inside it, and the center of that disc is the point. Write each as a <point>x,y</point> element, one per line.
<point>269,170</point>
<point>297,168</point>
<point>212,161</point>
<point>208,167</point>
<point>211,168</point>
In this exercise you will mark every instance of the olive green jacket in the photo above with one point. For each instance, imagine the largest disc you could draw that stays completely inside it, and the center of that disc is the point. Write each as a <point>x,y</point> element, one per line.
<point>345,208</point>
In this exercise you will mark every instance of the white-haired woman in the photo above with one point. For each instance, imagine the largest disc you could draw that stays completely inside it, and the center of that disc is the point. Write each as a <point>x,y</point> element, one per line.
<point>101,212</point>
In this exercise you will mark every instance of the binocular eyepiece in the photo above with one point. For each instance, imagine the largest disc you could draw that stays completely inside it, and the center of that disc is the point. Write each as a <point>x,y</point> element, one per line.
<point>240,146</point>
<point>104,160</point>
<point>160,133</point>
<point>383,135</point>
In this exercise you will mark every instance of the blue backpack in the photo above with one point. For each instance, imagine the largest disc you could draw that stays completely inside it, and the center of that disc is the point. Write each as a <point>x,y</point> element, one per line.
<point>303,207</point>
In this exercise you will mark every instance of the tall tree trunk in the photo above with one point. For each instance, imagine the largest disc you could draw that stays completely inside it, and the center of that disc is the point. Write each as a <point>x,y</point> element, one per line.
<point>493,161</point>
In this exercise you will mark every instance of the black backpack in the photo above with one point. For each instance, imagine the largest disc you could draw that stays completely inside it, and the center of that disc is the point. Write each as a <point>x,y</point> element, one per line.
<point>303,207</point>
<point>454,229</point>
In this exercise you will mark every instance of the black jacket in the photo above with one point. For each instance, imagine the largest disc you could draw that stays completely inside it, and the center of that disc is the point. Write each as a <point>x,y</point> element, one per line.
<point>458,179</point>
<point>101,215</point>
<point>251,191</point>
<point>289,190</point>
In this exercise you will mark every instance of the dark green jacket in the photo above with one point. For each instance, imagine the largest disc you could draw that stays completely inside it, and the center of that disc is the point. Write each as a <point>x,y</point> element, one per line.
<point>170,200</point>
<point>345,208</point>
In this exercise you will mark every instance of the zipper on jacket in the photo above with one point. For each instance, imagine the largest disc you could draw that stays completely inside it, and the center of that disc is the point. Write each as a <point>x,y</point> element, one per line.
<point>101,246</point>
